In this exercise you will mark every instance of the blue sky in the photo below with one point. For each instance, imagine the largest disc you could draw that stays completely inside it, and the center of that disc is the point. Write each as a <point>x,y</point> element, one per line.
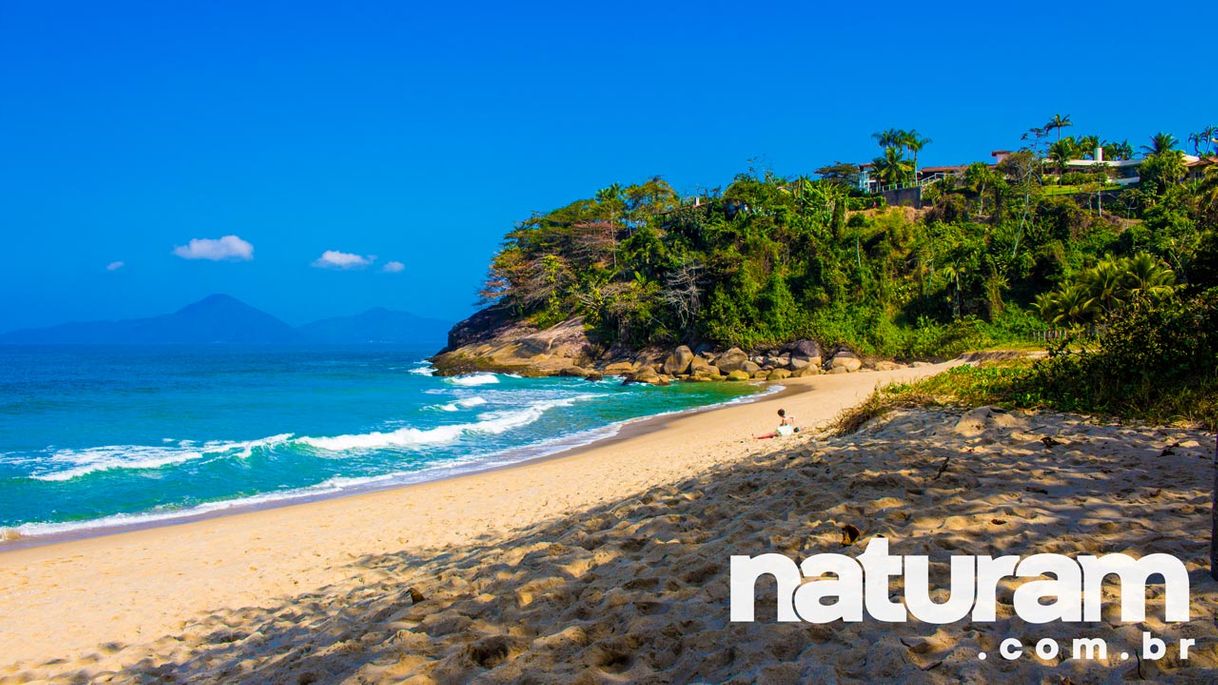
<point>420,134</point>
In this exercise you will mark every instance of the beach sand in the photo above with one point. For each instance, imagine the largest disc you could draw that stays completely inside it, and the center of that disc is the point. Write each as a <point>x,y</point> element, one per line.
<point>610,564</point>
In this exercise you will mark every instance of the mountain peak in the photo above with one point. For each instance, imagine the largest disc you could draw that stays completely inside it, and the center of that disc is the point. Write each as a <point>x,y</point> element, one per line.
<point>222,318</point>
<point>215,301</point>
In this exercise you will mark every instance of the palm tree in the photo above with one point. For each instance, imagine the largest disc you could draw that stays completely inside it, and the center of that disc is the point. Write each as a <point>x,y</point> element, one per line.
<point>893,137</point>
<point>1114,150</point>
<point>1203,141</point>
<point>914,142</point>
<point>1086,145</point>
<point>1057,123</point>
<point>1160,142</point>
<point>1105,284</point>
<point>979,176</point>
<point>1104,287</point>
<point>1071,303</point>
<point>1146,275</point>
<point>1061,152</point>
<point>892,168</point>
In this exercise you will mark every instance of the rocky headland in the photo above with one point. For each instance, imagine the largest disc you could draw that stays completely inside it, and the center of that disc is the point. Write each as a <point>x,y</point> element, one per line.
<point>492,341</point>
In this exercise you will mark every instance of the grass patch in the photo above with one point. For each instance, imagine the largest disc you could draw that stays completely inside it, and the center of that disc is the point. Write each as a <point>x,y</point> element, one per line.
<point>1053,384</point>
<point>1153,361</point>
<point>997,383</point>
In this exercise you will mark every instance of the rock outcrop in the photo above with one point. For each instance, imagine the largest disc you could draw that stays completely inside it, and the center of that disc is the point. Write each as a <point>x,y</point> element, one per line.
<point>491,341</point>
<point>732,360</point>
<point>620,368</point>
<point>700,369</point>
<point>646,375</point>
<point>802,353</point>
<point>679,361</point>
<point>845,359</point>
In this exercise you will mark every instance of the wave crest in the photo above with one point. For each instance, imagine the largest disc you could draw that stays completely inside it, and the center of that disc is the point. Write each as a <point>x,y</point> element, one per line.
<point>492,423</point>
<point>463,403</point>
<point>81,462</point>
<point>473,379</point>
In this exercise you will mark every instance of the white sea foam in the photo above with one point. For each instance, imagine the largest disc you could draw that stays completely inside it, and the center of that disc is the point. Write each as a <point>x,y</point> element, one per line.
<point>474,379</point>
<point>408,438</point>
<point>332,486</point>
<point>463,403</point>
<point>80,462</point>
<point>423,369</point>
<point>338,485</point>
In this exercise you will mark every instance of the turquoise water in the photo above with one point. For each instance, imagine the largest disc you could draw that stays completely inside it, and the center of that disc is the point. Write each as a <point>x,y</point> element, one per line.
<point>107,436</point>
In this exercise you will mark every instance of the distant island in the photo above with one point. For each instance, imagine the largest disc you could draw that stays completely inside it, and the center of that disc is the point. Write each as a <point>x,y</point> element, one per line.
<point>223,319</point>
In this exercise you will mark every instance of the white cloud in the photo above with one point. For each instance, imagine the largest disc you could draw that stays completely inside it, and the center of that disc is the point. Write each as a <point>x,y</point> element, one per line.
<point>394,267</point>
<point>115,266</point>
<point>333,259</point>
<point>229,247</point>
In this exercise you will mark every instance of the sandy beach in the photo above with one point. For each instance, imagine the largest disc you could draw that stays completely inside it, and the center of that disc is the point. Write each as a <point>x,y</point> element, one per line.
<point>609,564</point>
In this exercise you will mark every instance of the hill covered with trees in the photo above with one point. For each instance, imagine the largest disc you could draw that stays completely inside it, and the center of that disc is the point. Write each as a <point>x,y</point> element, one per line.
<point>998,253</point>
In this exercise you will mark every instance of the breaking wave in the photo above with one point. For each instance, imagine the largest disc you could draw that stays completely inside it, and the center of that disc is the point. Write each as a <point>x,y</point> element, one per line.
<point>473,379</point>
<point>82,462</point>
<point>463,403</point>
<point>405,438</point>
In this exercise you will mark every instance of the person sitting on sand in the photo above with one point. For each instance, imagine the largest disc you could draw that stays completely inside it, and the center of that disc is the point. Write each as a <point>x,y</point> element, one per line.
<point>786,426</point>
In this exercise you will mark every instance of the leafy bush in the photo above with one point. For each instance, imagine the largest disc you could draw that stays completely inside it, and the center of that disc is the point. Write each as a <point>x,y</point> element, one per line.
<point>1106,286</point>
<point>1152,359</point>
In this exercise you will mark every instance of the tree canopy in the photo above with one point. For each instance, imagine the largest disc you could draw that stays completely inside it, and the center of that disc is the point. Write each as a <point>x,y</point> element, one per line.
<point>768,259</point>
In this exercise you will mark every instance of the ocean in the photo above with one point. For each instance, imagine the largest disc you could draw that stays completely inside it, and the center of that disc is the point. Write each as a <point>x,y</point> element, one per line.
<point>95,437</point>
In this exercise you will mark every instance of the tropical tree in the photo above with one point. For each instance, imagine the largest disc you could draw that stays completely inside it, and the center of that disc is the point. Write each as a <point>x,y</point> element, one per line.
<point>1085,146</point>
<point>892,137</point>
<point>1204,140</point>
<point>980,177</point>
<point>892,168</point>
<point>1071,303</point>
<point>1160,142</point>
<point>1160,170</point>
<point>1105,287</point>
<point>914,142</point>
<point>1146,275</point>
<point>1057,123</point>
<point>1114,150</point>
<point>1036,136</point>
<point>841,173</point>
<point>1060,153</point>
<point>1106,284</point>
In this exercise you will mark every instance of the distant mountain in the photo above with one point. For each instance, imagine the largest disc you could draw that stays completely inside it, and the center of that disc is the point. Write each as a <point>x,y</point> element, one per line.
<point>378,325</point>
<point>214,319</point>
<point>226,320</point>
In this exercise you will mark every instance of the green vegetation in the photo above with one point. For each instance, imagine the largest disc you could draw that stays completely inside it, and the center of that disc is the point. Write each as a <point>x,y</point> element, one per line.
<point>1100,289</point>
<point>1155,360</point>
<point>995,257</point>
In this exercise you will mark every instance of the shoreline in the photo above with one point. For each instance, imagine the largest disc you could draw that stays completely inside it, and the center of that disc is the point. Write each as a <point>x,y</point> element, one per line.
<point>138,586</point>
<point>616,431</point>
